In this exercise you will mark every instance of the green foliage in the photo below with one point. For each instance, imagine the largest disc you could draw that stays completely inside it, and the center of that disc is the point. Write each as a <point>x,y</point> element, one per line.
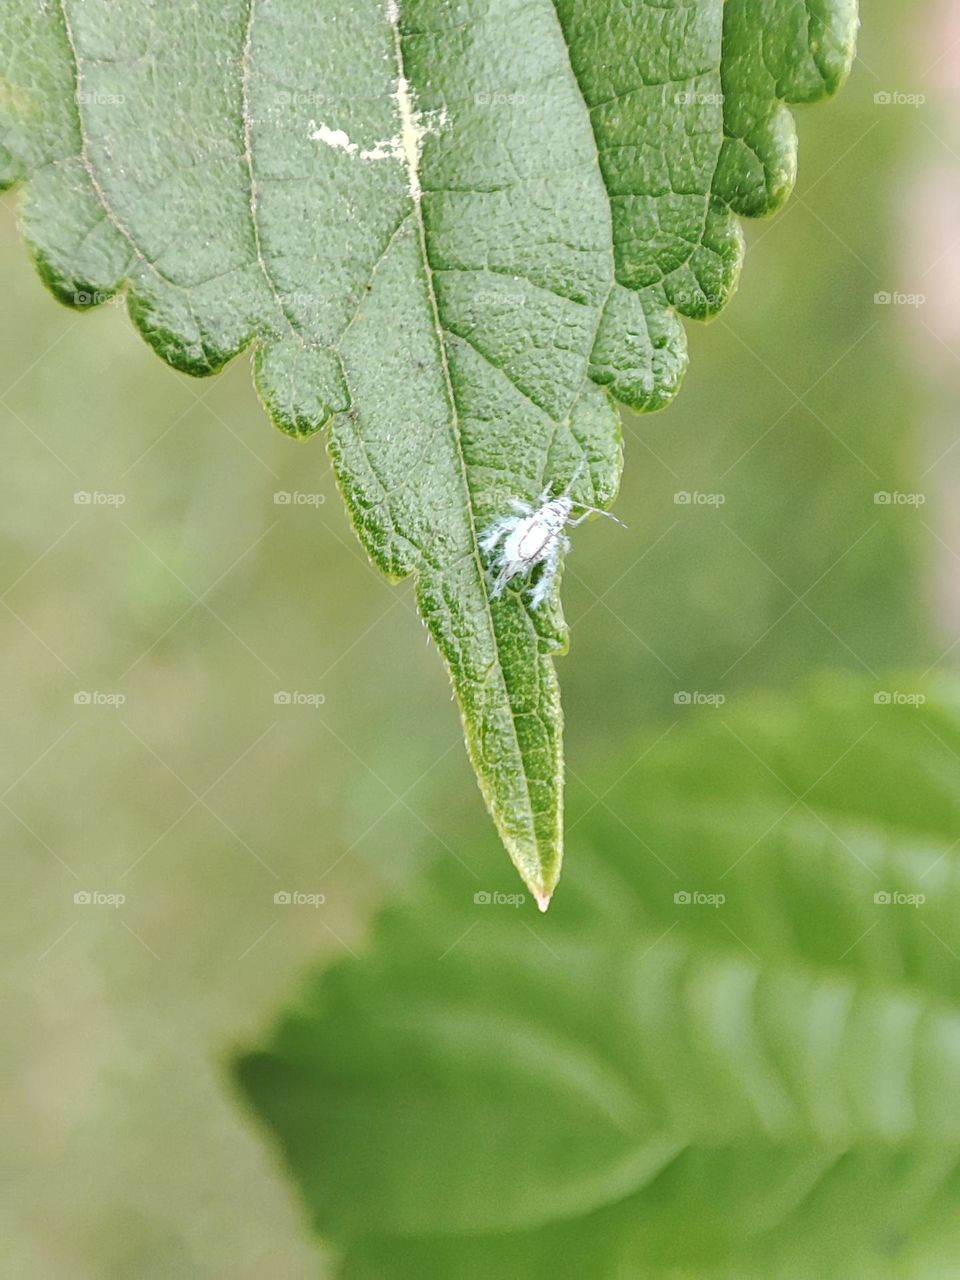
<point>732,1050</point>
<point>456,251</point>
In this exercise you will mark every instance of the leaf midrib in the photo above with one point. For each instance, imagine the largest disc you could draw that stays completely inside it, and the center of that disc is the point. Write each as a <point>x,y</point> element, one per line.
<point>454,419</point>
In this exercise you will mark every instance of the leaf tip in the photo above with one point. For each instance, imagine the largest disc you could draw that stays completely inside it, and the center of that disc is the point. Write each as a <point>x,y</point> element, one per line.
<point>543,898</point>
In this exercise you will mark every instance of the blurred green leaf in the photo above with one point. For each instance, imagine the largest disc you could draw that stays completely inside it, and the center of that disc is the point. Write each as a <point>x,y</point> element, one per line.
<point>732,1050</point>
<point>458,250</point>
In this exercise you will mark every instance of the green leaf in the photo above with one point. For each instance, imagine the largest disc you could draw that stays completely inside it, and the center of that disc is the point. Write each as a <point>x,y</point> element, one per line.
<point>652,1085</point>
<point>457,233</point>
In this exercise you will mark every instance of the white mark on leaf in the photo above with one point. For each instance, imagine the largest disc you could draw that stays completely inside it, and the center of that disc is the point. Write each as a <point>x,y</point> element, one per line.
<point>332,137</point>
<point>415,125</point>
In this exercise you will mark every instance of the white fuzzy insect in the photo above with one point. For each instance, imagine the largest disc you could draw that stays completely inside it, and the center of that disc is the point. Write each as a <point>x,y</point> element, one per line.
<point>535,535</point>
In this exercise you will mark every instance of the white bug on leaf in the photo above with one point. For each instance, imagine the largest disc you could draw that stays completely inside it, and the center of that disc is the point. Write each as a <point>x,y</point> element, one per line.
<point>535,535</point>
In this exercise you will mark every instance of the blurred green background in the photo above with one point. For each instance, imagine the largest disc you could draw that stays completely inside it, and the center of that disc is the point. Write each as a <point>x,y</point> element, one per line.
<point>197,596</point>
